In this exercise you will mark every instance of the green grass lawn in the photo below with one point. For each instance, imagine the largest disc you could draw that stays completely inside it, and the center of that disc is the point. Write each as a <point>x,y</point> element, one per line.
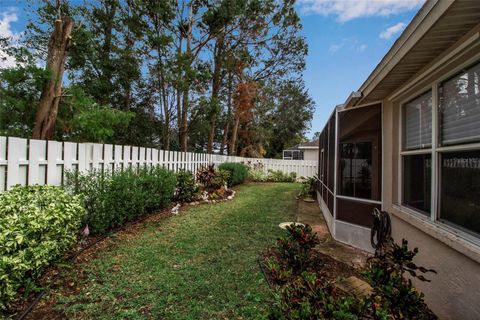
<point>201,264</point>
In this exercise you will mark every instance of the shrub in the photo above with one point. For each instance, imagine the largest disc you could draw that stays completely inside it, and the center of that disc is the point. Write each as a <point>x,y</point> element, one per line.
<point>37,225</point>
<point>238,172</point>
<point>113,198</point>
<point>187,189</point>
<point>280,176</point>
<point>295,248</point>
<point>303,292</point>
<point>220,179</point>
<point>257,175</point>
<point>308,186</point>
<point>205,175</point>
<point>212,179</point>
<point>393,295</point>
<point>258,166</point>
<point>308,297</point>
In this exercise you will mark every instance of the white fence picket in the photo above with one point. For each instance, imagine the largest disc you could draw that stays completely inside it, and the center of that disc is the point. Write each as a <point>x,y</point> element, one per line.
<point>54,163</point>
<point>37,162</point>
<point>16,162</point>
<point>3,163</point>
<point>41,162</point>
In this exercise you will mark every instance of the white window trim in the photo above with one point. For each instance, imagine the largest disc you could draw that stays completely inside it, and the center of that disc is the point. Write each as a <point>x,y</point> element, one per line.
<point>460,241</point>
<point>435,152</point>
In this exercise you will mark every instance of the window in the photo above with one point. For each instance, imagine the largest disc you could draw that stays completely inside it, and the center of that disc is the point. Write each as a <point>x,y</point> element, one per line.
<point>448,158</point>
<point>418,122</point>
<point>460,189</point>
<point>417,182</point>
<point>417,167</point>
<point>297,155</point>
<point>292,155</point>
<point>459,99</point>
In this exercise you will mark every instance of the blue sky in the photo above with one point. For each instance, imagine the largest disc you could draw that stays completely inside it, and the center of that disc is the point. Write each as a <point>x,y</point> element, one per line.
<point>346,39</point>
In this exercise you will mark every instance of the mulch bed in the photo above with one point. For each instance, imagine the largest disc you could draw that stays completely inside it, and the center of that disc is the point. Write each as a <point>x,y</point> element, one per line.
<point>328,268</point>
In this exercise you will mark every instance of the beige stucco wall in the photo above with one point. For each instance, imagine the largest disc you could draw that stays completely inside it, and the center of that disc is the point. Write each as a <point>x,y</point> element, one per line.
<point>454,292</point>
<point>310,154</point>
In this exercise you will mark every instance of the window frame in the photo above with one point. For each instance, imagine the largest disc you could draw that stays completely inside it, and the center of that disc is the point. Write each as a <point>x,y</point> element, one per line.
<point>403,112</point>
<point>436,150</point>
<point>292,157</point>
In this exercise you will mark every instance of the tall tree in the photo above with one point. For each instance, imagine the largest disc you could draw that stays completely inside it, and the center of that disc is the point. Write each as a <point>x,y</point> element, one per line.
<point>195,74</point>
<point>58,46</point>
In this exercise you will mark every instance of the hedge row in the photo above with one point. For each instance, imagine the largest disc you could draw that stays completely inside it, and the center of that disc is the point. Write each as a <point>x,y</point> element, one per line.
<point>113,198</point>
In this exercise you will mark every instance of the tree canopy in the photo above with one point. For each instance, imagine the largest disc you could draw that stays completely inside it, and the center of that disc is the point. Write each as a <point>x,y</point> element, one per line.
<point>220,76</point>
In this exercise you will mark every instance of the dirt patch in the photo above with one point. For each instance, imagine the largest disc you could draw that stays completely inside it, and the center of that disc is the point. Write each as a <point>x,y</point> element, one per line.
<point>310,213</point>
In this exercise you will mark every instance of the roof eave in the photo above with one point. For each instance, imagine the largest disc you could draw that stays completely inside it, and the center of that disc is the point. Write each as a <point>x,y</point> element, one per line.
<point>430,12</point>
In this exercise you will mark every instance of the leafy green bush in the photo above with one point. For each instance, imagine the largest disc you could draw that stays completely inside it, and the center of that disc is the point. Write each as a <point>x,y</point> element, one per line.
<point>308,188</point>
<point>280,176</point>
<point>37,225</point>
<point>258,175</point>
<point>238,172</point>
<point>220,179</point>
<point>113,198</point>
<point>187,189</point>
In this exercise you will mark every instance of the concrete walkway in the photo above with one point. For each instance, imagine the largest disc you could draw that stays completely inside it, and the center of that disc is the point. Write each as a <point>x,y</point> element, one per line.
<point>310,213</point>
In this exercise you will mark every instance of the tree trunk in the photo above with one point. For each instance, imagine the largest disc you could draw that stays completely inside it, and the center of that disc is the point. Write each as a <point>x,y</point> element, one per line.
<point>166,128</point>
<point>47,109</point>
<point>178,91</point>
<point>223,144</point>
<point>229,114</point>
<point>233,141</point>
<point>184,125</point>
<point>183,129</point>
<point>216,83</point>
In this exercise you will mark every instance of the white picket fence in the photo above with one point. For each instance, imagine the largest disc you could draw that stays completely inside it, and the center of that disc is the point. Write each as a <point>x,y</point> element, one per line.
<point>29,162</point>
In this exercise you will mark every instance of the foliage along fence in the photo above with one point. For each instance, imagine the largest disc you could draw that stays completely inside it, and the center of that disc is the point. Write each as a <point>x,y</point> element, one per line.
<point>30,162</point>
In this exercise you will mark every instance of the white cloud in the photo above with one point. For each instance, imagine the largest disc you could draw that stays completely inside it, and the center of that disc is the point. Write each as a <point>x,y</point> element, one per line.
<point>335,47</point>
<point>6,19</point>
<point>361,47</point>
<point>351,44</point>
<point>393,30</point>
<point>346,10</point>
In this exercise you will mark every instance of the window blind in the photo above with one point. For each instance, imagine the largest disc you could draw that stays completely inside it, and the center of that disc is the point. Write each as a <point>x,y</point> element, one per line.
<point>460,107</point>
<point>417,124</point>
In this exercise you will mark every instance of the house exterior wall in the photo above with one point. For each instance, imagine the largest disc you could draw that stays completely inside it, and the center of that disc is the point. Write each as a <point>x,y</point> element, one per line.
<point>310,154</point>
<point>454,292</point>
